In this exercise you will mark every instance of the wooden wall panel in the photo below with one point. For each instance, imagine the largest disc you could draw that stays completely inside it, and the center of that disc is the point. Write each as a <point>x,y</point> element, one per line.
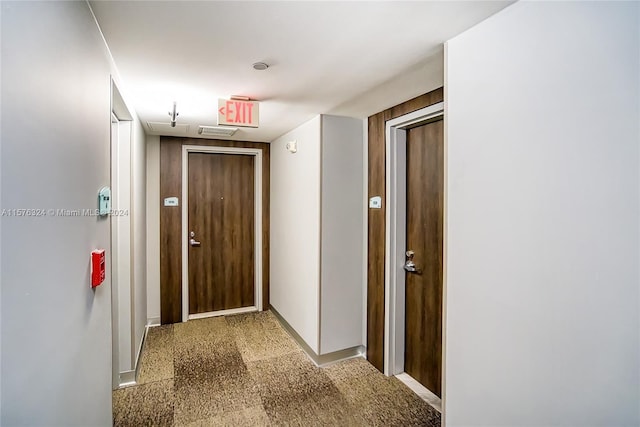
<point>375,233</point>
<point>170,232</point>
<point>376,228</point>
<point>171,221</point>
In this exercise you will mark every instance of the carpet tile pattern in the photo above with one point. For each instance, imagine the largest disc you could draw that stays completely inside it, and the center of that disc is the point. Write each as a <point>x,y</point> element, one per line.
<point>245,370</point>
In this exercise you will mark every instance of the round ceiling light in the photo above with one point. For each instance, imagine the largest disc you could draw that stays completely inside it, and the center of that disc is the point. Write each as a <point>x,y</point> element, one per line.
<point>260,66</point>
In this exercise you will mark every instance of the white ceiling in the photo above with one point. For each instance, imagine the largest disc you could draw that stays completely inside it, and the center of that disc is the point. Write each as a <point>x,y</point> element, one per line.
<point>349,58</point>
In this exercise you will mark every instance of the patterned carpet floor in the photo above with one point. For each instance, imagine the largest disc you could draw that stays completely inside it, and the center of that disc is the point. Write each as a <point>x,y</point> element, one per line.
<point>245,370</point>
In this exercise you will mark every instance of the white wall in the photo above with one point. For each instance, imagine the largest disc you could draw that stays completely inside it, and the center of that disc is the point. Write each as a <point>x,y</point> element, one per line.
<point>1,205</point>
<point>56,85</point>
<point>153,230</point>
<point>342,251</point>
<point>56,331</point>
<point>295,230</point>
<point>542,306</point>
<point>423,77</point>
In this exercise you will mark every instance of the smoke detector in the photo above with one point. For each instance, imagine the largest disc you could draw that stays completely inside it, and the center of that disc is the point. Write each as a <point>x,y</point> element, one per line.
<point>216,130</point>
<point>260,66</point>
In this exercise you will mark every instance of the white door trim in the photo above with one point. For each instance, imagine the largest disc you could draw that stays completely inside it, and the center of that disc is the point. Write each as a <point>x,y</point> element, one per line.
<point>257,153</point>
<point>395,232</point>
<point>123,353</point>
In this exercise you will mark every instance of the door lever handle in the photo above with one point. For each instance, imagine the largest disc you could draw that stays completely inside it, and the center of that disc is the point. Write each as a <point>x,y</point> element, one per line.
<point>409,265</point>
<point>192,241</point>
<point>412,269</point>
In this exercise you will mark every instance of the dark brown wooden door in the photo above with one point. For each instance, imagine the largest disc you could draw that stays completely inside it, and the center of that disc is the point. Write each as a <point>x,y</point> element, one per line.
<point>423,315</point>
<point>221,218</point>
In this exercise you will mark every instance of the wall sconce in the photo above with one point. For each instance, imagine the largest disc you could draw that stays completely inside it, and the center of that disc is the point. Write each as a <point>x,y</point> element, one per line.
<point>292,146</point>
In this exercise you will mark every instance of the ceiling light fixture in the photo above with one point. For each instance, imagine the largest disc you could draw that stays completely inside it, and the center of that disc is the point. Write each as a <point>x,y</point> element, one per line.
<point>217,130</point>
<point>174,115</point>
<point>260,66</point>
<point>164,127</point>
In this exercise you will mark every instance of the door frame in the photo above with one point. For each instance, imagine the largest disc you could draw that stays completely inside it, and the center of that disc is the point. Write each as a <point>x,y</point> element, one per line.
<point>395,232</point>
<point>257,154</point>
<point>125,351</point>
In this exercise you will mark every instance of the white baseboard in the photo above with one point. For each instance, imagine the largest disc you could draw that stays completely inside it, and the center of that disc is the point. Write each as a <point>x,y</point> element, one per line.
<point>223,312</point>
<point>127,379</point>
<point>424,393</point>
<point>319,359</point>
<point>153,321</point>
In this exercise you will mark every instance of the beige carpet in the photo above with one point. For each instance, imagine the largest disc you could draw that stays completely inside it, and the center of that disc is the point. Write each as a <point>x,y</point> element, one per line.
<point>246,370</point>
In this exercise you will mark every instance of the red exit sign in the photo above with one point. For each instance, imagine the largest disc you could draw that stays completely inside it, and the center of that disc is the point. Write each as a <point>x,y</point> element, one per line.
<point>233,112</point>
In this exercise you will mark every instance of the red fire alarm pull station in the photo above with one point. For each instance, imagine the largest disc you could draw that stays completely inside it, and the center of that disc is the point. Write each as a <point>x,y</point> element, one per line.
<point>97,267</point>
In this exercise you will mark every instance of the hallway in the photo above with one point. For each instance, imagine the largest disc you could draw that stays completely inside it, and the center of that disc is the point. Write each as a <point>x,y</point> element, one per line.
<point>246,370</point>
<point>450,188</point>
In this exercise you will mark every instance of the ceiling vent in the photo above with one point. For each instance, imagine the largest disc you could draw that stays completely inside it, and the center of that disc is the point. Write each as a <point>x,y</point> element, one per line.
<point>165,128</point>
<point>216,131</point>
